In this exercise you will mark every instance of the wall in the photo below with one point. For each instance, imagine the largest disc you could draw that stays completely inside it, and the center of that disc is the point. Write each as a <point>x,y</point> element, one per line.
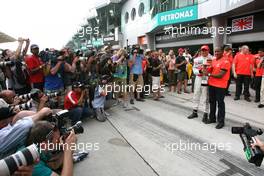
<point>139,27</point>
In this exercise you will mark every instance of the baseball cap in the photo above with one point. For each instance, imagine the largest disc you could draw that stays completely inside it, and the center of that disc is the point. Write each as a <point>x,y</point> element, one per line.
<point>34,46</point>
<point>106,47</point>
<point>148,50</point>
<point>77,85</point>
<point>6,112</point>
<point>205,47</point>
<point>180,50</point>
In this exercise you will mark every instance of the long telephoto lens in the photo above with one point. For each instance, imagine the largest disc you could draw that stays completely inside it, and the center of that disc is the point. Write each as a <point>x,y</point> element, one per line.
<point>25,157</point>
<point>24,106</point>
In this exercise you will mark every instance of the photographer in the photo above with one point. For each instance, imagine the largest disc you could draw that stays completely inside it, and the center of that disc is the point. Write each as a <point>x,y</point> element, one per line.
<point>49,140</point>
<point>15,70</point>
<point>76,102</point>
<point>120,75</point>
<point>136,71</point>
<point>35,66</point>
<point>10,97</point>
<point>69,75</point>
<point>14,128</point>
<point>258,143</point>
<point>54,75</point>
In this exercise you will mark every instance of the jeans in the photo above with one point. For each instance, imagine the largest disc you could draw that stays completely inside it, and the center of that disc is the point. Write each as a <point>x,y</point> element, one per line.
<point>77,113</point>
<point>242,79</point>
<point>217,96</point>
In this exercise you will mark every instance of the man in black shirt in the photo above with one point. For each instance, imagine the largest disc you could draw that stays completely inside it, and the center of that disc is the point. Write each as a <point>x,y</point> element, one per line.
<point>155,73</point>
<point>182,75</point>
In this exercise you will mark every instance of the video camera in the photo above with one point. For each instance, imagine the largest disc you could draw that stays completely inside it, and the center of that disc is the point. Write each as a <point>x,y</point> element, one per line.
<point>60,120</point>
<point>247,135</point>
<point>48,55</point>
<point>6,64</point>
<point>25,157</point>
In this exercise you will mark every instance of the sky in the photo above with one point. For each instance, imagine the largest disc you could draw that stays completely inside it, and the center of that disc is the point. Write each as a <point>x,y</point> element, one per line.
<point>48,23</point>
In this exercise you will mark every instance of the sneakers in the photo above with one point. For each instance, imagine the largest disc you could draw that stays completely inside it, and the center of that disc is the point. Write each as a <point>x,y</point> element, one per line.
<point>237,98</point>
<point>205,118</point>
<point>193,115</point>
<point>247,99</point>
<point>220,125</point>
<point>140,99</point>
<point>257,101</point>
<point>209,121</point>
<point>261,106</point>
<point>79,156</point>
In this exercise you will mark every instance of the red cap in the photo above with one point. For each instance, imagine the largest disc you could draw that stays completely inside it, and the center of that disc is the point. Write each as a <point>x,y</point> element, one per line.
<point>205,47</point>
<point>180,50</point>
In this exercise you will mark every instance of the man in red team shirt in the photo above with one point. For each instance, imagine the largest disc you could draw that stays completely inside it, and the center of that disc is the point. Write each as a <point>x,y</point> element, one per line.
<point>35,67</point>
<point>219,74</point>
<point>228,54</point>
<point>243,71</point>
<point>259,72</point>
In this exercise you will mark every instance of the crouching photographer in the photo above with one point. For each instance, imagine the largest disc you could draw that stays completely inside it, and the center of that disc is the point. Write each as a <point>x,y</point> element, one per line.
<point>14,128</point>
<point>48,138</point>
<point>76,102</point>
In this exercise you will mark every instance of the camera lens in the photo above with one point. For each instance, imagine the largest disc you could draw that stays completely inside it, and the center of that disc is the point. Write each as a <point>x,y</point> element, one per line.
<point>24,157</point>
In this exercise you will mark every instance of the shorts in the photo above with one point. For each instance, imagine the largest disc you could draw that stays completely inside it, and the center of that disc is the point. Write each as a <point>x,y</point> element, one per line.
<point>120,81</point>
<point>136,82</point>
<point>119,86</point>
<point>172,78</point>
<point>182,76</point>
<point>155,82</point>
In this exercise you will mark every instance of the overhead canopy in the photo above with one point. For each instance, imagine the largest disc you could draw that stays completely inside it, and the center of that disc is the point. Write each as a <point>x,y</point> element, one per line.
<point>4,38</point>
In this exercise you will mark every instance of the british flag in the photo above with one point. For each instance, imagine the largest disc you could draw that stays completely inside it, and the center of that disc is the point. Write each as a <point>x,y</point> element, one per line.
<point>242,24</point>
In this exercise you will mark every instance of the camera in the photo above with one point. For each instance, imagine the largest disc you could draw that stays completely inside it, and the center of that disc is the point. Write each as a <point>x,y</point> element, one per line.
<point>59,119</point>
<point>33,94</point>
<point>6,64</point>
<point>23,106</point>
<point>25,157</point>
<point>77,128</point>
<point>247,135</point>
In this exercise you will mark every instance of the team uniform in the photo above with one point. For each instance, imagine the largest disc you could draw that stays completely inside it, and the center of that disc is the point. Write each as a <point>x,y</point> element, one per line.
<point>217,89</point>
<point>200,96</point>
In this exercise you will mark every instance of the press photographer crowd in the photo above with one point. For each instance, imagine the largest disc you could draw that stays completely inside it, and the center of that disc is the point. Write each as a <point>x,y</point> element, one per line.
<point>46,94</point>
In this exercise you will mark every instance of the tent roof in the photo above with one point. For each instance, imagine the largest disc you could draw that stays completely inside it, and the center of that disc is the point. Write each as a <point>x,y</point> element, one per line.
<point>4,38</point>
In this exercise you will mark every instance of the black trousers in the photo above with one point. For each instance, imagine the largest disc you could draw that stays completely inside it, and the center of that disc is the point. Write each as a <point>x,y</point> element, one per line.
<point>242,79</point>
<point>216,97</point>
<point>258,80</point>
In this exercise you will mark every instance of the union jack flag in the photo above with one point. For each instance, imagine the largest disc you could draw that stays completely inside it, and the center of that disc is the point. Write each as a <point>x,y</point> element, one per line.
<point>242,24</point>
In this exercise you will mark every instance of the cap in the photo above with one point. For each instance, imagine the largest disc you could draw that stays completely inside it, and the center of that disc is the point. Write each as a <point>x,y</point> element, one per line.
<point>106,47</point>
<point>148,50</point>
<point>180,50</point>
<point>205,47</point>
<point>34,46</point>
<point>77,85</point>
<point>6,112</point>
